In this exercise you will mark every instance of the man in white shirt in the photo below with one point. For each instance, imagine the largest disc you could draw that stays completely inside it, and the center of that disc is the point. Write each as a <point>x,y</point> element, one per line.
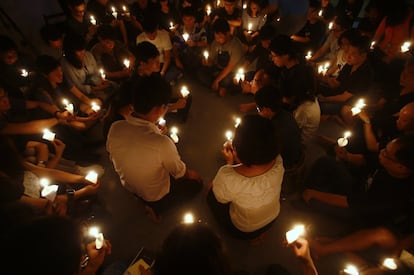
<point>147,161</point>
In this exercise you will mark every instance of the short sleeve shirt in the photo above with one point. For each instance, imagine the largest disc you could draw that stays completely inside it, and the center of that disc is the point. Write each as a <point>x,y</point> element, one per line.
<point>162,42</point>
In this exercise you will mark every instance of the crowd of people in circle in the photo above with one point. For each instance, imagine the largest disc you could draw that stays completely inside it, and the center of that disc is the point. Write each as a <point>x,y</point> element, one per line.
<point>116,64</point>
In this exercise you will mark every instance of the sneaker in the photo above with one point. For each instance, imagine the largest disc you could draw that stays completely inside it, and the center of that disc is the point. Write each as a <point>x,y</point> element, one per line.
<point>84,170</point>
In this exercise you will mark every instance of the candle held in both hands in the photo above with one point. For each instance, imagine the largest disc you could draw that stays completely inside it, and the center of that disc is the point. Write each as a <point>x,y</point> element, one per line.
<point>92,176</point>
<point>48,135</point>
<point>343,141</point>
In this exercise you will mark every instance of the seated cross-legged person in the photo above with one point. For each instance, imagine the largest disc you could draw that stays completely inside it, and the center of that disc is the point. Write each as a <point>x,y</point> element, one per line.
<point>148,162</point>
<point>245,197</point>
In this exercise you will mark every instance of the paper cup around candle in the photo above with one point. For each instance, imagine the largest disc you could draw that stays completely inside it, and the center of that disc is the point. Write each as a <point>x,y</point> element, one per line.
<point>102,72</point>
<point>93,20</point>
<point>390,264</point>
<point>95,107</point>
<point>49,192</point>
<point>48,135</point>
<point>24,73</point>
<point>351,270</point>
<point>92,176</point>
<point>293,234</point>
<point>308,55</point>
<point>205,53</point>
<point>184,91</point>
<point>173,134</point>
<point>127,63</point>
<point>186,36</point>
<point>99,241</point>
<point>44,182</point>
<point>405,47</point>
<point>161,122</point>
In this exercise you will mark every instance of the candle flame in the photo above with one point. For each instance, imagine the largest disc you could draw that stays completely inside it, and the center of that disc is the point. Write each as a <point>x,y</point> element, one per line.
<point>188,218</point>
<point>229,135</point>
<point>44,182</point>
<point>238,121</point>
<point>390,263</point>
<point>351,270</point>
<point>293,234</point>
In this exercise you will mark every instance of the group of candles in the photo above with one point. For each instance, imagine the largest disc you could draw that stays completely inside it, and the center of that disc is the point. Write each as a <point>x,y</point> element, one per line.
<point>322,69</point>
<point>229,134</point>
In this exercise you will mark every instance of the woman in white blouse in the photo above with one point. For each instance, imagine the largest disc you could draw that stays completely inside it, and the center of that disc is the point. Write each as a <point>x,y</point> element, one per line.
<point>245,196</point>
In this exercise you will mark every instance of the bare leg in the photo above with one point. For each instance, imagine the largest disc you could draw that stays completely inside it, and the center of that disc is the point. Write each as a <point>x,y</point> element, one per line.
<point>357,241</point>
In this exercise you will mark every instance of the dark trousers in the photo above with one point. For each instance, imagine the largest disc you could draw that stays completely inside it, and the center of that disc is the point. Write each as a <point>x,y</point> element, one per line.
<point>181,190</point>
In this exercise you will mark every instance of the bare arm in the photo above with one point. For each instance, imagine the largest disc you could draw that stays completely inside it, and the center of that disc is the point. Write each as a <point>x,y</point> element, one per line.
<point>336,98</point>
<point>28,128</point>
<point>55,174</point>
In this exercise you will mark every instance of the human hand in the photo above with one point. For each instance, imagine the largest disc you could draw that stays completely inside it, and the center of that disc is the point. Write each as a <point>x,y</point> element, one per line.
<point>227,152</point>
<point>215,85</point>
<point>97,256</point>
<point>246,87</point>
<point>307,195</point>
<point>302,250</point>
<point>91,188</point>
<point>60,205</point>
<point>364,116</point>
<point>180,104</point>
<point>341,152</point>
<point>191,43</point>
<point>59,146</point>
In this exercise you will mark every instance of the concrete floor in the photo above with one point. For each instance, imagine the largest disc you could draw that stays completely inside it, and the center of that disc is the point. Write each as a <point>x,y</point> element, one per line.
<point>201,139</point>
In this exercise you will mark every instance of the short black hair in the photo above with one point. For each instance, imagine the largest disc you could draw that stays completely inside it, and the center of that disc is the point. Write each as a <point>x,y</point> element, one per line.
<point>150,23</point>
<point>150,92</point>
<point>188,11</point>
<point>106,32</point>
<point>344,21</point>
<point>361,42</point>
<point>282,44</point>
<point>221,26</point>
<point>51,33</point>
<point>405,152</point>
<point>46,64</point>
<point>269,97</point>
<point>75,3</point>
<point>7,44</point>
<point>71,44</point>
<point>314,4</point>
<point>255,140</point>
<point>350,34</point>
<point>145,51</point>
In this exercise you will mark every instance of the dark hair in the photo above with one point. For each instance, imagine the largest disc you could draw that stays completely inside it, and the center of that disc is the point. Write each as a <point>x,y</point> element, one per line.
<point>7,44</point>
<point>221,26</point>
<point>46,64</point>
<point>51,245</point>
<point>405,152</point>
<point>255,140</point>
<point>198,246</point>
<point>344,21</point>
<point>51,33</point>
<point>188,11</point>
<point>150,23</point>
<point>71,44</point>
<point>267,32</point>
<point>75,3</point>
<point>145,51</point>
<point>350,34</point>
<point>269,97</point>
<point>282,44</point>
<point>361,42</point>
<point>106,32</point>
<point>314,4</point>
<point>257,2</point>
<point>150,92</point>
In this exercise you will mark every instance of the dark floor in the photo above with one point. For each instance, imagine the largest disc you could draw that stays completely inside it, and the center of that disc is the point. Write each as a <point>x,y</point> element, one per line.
<point>201,139</point>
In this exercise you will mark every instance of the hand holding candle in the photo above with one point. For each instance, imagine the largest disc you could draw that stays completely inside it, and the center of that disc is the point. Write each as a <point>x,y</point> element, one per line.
<point>322,69</point>
<point>208,10</point>
<point>93,20</point>
<point>95,107</point>
<point>186,36</point>
<point>343,141</point>
<point>173,134</point>
<point>92,176</point>
<point>249,28</point>
<point>184,91</point>
<point>114,13</point>
<point>205,54</point>
<point>48,191</point>
<point>320,13</point>
<point>296,232</point>
<point>171,26</point>
<point>24,73</point>
<point>237,121</point>
<point>406,46</point>
<point>358,107</point>
<point>372,45</point>
<point>99,238</point>
<point>127,63</point>
<point>229,138</point>
<point>68,106</point>
<point>330,26</point>
<point>102,72</point>
<point>48,135</point>
<point>308,56</point>
<point>240,75</point>
<point>390,264</point>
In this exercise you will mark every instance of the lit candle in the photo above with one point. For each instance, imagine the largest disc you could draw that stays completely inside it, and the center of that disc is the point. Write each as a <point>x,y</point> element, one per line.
<point>171,25</point>
<point>218,3</point>
<point>249,27</point>
<point>244,6</point>
<point>390,264</point>
<point>68,106</point>
<point>102,72</point>
<point>173,134</point>
<point>208,10</point>
<point>93,20</point>
<point>124,8</point>
<point>188,218</point>
<point>343,141</point>
<point>184,91</point>
<point>24,73</point>
<point>293,234</point>
<point>308,55</point>
<point>372,45</point>
<point>406,46</point>
<point>95,107</point>
<point>49,191</point>
<point>237,121</point>
<point>44,182</point>
<point>322,69</point>
<point>127,63</point>
<point>240,75</point>
<point>205,53</point>
<point>278,19</point>
<point>320,13</point>
<point>99,238</point>
<point>330,26</point>
<point>186,36</point>
<point>358,107</point>
<point>161,122</point>
<point>92,176</point>
<point>351,270</point>
<point>229,137</point>
<point>114,13</point>
<point>48,135</point>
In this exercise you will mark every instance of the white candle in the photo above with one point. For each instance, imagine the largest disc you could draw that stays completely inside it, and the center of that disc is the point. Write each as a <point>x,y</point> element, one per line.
<point>114,13</point>
<point>186,36</point>
<point>188,218</point>
<point>49,192</point>
<point>372,45</point>
<point>92,176</point>
<point>320,13</point>
<point>24,73</point>
<point>218,3</point>
<point>237,121</point>
<point>308,55</point>
<point>244,6</point>
<point>102,72</point>
<point>208,10</point>
<point>93,20</point>
<point>330,26</point>
<point>171,25</point>
<point>162,122</point>
<point>48,135</point>
<point>343,141</point>
<point>358,107</point>
<point>184,91</point>
<point>173,134</point>
<point>127,63</point>
<point>95,107</point>
<point>390,264</point>
<point>249,27</point>
<point>293,234</point>
<point>406,46</point>
<point>240,75</point>
<point>68,106</point>
<point>99,238</point>
<point>229,138</point>
<point>124,8</point>
<point>351,270</point>
<point>205,53</point>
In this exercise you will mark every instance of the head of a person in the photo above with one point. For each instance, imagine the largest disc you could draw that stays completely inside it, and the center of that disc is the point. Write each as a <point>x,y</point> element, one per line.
<point>152,94</point>
<point>407,75</point>
<point>74,49</point>
<point>106,35</point>
<point>314,8</point>
<point>186,3</point>
<point>229,6</point>
<point>8,50</point>
<point>188,17</point>
<point>52,36</point>
<point>221,30</point>
<point>346,37</point>
<point>55,246</point>
<point>77,9</point>
<point>324,3</point>
<point>283,50</point>
<point>396,12</point>
<point>255,141</point>
<point>266,34</point>
<point>50,68</point>
<point>163,2</point>
<point>398,156</point>
<point>359,47</point>
<point>147,57</point>
<point>197,245</point>
<point>150,25</point>
<point>254,7</point>
<point>341,24</point>
<point>405,121</point>
<point>4,101</point>
<point>268,101</point>
<point>261,78</point>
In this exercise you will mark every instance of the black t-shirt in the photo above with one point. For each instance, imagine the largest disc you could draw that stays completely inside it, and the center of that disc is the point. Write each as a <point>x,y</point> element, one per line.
<point>315,32</point>
<point>358,82</point>
<point>296,80</point>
